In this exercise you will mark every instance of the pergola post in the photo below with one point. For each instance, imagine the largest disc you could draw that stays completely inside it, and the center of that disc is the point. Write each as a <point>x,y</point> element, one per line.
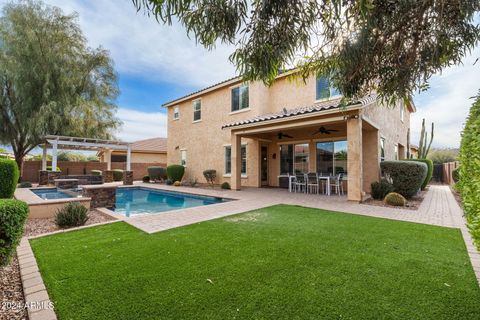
<point>236,162</point>
<point>108,155</point>
<point>128,176</point>
<point>54,155</point>
<point>44,158</point>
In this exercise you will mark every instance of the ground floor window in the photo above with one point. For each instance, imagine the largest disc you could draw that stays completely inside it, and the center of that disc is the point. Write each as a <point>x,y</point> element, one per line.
<point>396,152</point>
<point>294,158</point>
<point>382,149</point>
<point>228,159</point>
<point>183,157</point>
<point>332,157</point>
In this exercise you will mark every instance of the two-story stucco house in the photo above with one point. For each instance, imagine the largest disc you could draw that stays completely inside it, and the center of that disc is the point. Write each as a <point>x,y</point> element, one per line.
<point>254,135</point>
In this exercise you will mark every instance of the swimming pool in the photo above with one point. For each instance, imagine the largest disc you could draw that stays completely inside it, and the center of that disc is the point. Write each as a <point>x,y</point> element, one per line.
<point>135,201</point>
<point>51,193</point>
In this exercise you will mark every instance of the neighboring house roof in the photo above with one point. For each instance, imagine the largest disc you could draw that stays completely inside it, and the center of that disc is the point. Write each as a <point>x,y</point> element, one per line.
<point>153,145</point>
<point>317,107</point>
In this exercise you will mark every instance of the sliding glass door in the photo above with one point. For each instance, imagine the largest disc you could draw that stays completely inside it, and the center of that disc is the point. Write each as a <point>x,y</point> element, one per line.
<point>332,157</point>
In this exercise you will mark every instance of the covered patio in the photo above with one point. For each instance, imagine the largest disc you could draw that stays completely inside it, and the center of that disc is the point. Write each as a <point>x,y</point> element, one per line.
<point>329,143</point>
<point>56,143</point>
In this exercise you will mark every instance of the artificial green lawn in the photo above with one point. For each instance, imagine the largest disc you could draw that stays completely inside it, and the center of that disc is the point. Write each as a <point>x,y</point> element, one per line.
<point>281,262</point>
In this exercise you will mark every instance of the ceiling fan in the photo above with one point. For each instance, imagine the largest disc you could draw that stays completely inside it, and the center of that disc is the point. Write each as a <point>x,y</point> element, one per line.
<point>282,135</point>
<point>323,130</point>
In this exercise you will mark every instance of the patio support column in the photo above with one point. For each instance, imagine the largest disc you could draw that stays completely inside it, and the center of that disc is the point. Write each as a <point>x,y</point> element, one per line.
<point>44,158</point>
<point>355,158</point>
<point>236,162</point>
<point>54,156</point>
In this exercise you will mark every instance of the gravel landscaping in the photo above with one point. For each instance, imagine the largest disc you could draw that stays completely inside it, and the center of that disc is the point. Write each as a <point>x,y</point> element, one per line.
<point>11,295</point>
<point>39,226</point>
<point>412,204</point>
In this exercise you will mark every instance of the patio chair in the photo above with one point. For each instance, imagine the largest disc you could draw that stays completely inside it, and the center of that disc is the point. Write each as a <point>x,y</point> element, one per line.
<point>337,183</point>
<point>312,183</point>
<point>299,183</point>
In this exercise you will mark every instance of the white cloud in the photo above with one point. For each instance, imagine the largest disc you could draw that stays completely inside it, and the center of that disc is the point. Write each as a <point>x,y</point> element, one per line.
<point>447,103</point>
<point>141,46</point>
<point>138,125</point>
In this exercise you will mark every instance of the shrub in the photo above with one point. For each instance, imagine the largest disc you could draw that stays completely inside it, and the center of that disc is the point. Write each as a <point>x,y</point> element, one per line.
<point>13,215</point>
<point>225,185</point>
<point>381,189</point>
<point>117,175</point>
<point>168,182</point>
<point>407,176</point>
<point>146,179</point>
<point>210,175</point>
<point>9,175</point>
<point>96,172</point>
<point>469,183</point>
<point>72,215</point>
<point>157,173</point>
<point>395,199</point>
<point>175,172</point>
<point>49,168</point>
<point>456,175</point>
<point>177,184</point>
<point>25,184</point>
<point>429,164</point>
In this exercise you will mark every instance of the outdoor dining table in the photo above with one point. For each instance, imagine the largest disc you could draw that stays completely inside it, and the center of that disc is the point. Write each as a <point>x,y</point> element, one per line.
<point>327,178</point>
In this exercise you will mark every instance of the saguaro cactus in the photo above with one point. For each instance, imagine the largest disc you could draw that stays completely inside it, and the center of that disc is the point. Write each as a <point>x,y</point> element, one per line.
<point>424,145</point>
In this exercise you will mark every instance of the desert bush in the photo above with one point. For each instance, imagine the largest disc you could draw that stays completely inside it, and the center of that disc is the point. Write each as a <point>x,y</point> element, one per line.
<point>429,164</point>
<point>9,175</point>
<point>25,184</point>
<point>146,179</point>
<point>168,182</point>
<point>49,168</point>
<point>225,185</point>
<point>381,188</point>
<point>72,215</point>
<point>210,175</point>
<point>395,199</point>
<point>13,215</point>
<point>96,172</point>
<point>439,156</point>
<point>157,173</point>
<point>407,176</point>
<point>177,183</point>
<point>175,172</point>
<point>117,175</point>
<point>469,172</point>
<point>190,182</point>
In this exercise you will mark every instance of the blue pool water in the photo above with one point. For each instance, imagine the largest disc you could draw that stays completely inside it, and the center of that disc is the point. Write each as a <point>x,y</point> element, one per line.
<point>134,201</point>
<point>53,193</point>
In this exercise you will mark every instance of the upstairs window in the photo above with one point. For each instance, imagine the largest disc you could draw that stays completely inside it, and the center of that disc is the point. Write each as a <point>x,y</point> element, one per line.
<point>197,110</point>
<point>176,113</point>
<point>325,90</point>
<point>240,98</point>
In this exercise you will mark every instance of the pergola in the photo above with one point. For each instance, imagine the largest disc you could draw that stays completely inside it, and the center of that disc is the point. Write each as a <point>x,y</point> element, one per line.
<point>86,144</point>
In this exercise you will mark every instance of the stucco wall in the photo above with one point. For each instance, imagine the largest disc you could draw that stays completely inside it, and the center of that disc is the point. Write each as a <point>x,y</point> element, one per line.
<point>204,140</point>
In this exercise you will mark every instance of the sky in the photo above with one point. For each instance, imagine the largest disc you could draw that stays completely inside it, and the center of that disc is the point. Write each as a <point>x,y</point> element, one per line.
<point>157,63</point>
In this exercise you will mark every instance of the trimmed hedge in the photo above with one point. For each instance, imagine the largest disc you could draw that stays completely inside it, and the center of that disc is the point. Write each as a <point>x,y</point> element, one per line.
<point>9,175</point>
<point>429,164</point>
<point>72,215</point>
<point>13,215</point>
<point>157,173</point>
<point>456,175</point>
<point>146,179</point>
<point>469,184</point>
<point>407,176</point>
<point>175,172</point>
<point>381,189</point>
<point>117,175</point>
<point>226,185</point>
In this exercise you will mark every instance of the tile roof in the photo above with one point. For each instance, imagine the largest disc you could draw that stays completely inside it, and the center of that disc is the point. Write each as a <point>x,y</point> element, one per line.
<point>317,107</point>
<point>157,145</point>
